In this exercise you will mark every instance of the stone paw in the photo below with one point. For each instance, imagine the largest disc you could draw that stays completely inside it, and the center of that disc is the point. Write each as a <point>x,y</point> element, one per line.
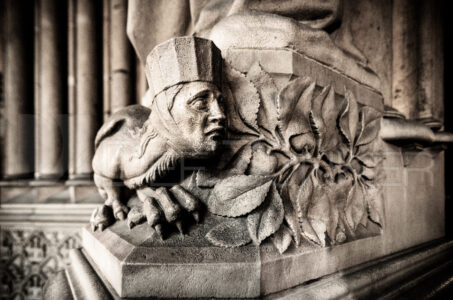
<point>162,206</point>
<point>120,210</point>
<point>135,217</point>
<point>101,218</point>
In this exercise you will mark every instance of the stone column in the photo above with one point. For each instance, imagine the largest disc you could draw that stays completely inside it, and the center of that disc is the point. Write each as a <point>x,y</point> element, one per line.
<point>431,70</point>
<point>71,85</point>
<point>117,57</point>
<point>18,87</point>
<point>405,58</point>
<point>86,100</point>
<point>106,79</point>
<point>50,159</point>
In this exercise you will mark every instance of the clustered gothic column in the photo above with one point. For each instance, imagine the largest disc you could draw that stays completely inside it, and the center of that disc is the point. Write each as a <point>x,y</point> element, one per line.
<point>118,64</point>
<point>431,72</point>
<point>18,83</point>
<point>47,118</point>
<point>404,70</point>
<point>38,144</point>
<point>85,99</point>
<point>418,61</point>
<point>121,57</point>
<point>50,159</point>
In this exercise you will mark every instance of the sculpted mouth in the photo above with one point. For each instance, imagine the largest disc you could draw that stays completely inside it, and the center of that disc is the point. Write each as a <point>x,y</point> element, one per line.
<point>215,131</point>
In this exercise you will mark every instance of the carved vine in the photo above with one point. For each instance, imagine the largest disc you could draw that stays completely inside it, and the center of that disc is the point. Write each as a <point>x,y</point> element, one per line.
<point>299,164</point>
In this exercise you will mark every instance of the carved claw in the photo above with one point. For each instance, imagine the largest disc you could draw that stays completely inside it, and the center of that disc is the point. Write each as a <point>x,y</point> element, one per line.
<point>158,229</point>
<point>170,208</point>
<point>119,210</point>
<point>101,218</point>
<point>179,226</point>
<point>185,199</point>
<point>160,205</point>
<point>134,217</point>
<point>151,212</point>
<point>196,216</point>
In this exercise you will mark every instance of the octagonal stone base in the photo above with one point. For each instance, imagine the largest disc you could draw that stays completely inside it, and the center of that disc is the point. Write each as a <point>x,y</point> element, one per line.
<point>136,263</point>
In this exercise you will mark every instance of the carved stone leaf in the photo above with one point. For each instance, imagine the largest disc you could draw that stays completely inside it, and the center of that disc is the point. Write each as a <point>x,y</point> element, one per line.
<point>292,221</point>
<point>288,98</point>
<point>238,195</point>
<point>335,156</point>
<point>367,160</point>
<point>303,197</point>
<point>330,108</point>
<point>318,102</point>
<point>368,173</point>
<point>246,97</point>
<point>330,113</point>
<point>375,204</point>
<point>235,123</point>
<point>268,218</point>
<point>317,126</point>
<point>231,233</point>
<point>319,226</point>
<point>319,212</point>
<point>267,114</point>
<point>282,239</point>
<point>299,193</point>
<point>190,184</point>
<point>303,143</point>
<point>370,120</point>
<point>355,206</point>
<point>298,122</point>
<point>297,190</point>
<point>349,118</point>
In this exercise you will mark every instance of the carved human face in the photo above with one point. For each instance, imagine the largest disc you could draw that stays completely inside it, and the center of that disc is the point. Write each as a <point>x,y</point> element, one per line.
<point>198,112</point>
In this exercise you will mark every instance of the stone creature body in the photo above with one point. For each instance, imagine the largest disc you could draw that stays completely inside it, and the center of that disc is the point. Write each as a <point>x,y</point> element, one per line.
<point>137,146</point>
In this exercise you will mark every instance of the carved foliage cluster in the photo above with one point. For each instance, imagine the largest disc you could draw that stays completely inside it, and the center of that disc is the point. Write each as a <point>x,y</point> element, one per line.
<point>298,164</point>
<point>28,257</point>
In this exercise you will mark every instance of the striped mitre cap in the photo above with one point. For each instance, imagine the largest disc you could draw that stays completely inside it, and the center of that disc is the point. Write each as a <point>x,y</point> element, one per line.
<point>183,59</point>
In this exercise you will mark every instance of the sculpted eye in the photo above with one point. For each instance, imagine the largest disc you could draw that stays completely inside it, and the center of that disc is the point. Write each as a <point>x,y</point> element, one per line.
<point>199,103</point>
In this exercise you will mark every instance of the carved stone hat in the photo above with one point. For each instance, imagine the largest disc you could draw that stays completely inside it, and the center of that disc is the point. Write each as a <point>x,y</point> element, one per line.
<point>183,59</point>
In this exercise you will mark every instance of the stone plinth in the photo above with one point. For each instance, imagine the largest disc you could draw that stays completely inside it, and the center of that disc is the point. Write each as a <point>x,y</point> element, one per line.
<point>136,263</point>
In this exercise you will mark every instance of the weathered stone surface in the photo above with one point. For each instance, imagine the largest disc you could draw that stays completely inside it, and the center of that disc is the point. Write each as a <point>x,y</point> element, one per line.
<point>269,31</point>
<point>302,171</point>
<point>198,269</point>
<point>283,63</point>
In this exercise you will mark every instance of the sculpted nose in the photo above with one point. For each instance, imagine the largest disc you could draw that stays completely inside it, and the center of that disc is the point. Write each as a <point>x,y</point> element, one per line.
<point>216,113</point>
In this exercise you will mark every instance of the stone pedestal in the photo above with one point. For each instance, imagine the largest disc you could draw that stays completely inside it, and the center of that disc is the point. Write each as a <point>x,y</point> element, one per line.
<point>121,266</point>
<point>136,263</point>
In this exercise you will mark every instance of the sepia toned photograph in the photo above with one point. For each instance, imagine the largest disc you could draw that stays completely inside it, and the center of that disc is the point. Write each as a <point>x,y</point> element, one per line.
<point>226,149</point>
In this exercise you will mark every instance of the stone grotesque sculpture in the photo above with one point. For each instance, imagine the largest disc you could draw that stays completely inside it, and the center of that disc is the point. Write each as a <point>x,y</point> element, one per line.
<point>297,160</point>
<point>138,146</point>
